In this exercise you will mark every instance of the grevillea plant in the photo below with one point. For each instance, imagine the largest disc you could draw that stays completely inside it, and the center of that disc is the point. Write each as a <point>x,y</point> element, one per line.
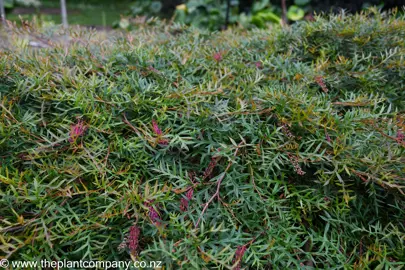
<point>287,151</point>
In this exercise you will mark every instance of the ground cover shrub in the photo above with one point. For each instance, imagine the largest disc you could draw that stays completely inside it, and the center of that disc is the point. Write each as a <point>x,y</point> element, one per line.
<point>266,149</point>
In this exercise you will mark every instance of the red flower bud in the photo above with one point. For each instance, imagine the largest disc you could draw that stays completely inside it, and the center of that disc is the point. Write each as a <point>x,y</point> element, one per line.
<point>156,128</point>
<point>320,81</point>
<point>77,130</point>
<point>218,57</point>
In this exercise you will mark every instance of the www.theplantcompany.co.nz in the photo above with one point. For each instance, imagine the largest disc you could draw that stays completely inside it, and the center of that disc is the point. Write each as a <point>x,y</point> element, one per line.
<point>65,264</point>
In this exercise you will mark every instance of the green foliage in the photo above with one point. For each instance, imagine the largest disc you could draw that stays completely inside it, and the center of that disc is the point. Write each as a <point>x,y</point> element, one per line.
<point>262,13</point>
<point>294,136</point>
<point>204,13</point>
<point>295,13</point>
<point>10,4</point>
<point>149,7</point>
<point>211,14</point>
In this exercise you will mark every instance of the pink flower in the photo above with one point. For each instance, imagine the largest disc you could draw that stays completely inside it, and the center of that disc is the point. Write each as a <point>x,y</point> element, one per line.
<point>190,193</point>
<point>320,81</point>
<point>133,239</point>
<point>184,204</point>
<point>208,171</point>
<point>400,136</point>
<point>240,251</point>
<point>153,69</point>
<point>163,142</point>
<point>156,128</point>
<point>294,161</point>
<point>77,130</point>
<point>259,65</point>
<point>159,133</point>
<point>154,215</point>
<point>287,131</point>
<point>218,57</point>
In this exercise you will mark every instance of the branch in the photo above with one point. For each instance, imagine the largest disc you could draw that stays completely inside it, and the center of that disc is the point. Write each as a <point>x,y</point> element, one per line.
<point>130,125</point>
<point>216,194</point>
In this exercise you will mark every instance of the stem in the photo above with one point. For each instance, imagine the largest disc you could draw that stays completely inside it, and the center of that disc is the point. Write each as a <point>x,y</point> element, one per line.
<point>228,9</point>
<point>2,11</point>
<point>284,8</point>
<point>64,14</point>
<point>216,194</point>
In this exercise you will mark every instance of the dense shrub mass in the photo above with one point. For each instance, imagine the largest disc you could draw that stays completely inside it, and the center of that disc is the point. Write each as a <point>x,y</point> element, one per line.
<point>266,149</point>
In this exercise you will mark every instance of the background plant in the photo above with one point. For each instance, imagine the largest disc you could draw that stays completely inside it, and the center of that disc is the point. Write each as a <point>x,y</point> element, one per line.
<point>212,14</point>
<point>10,4</point>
